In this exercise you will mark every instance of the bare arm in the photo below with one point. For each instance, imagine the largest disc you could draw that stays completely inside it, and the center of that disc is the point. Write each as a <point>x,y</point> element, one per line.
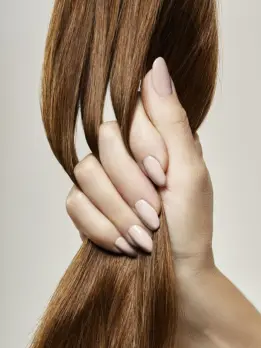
<point>219,314</point>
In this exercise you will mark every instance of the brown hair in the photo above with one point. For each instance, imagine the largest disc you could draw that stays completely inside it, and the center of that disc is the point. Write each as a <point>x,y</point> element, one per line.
<point>103,300</point>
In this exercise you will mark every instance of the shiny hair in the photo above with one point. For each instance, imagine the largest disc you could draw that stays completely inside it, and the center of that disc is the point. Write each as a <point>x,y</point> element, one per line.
<point>103,300</point>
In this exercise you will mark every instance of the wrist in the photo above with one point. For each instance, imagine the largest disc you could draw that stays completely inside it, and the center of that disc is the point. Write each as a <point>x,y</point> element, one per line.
<point>214,307</point>
<point>195,296</point>
<point>193,266</point>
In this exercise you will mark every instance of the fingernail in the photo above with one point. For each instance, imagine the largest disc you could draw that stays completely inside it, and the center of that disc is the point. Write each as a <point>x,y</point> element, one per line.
<point>148,214</point>
<point>161,79</point>
<point>125,247</point>
<point>141,238</point>
<point>154,171</point>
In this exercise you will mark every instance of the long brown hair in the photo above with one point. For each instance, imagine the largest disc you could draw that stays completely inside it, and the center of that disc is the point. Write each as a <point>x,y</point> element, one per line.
<point>103,300</point>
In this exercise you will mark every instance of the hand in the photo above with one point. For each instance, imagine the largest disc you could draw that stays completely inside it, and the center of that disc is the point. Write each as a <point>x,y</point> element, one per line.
<point>118,209</point>
<point>117,195</point>
<point>118,206</point>
<point>117,190</point>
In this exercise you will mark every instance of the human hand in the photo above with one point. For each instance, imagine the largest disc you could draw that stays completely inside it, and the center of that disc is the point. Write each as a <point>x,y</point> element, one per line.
<point>117,206</point>
<point>165,151</point>
<point>161,144</point>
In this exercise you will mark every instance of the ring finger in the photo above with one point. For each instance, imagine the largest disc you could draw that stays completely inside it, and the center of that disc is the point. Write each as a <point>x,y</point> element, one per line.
<point>98,188</point>
<point>91,223</point>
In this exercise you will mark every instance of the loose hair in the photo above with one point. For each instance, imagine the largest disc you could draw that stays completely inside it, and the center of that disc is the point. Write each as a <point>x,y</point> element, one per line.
<point>104,300</point>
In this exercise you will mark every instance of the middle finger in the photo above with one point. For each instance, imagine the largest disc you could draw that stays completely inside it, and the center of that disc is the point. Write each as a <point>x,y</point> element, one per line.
<point>125,174</point>
<point>99,189</point>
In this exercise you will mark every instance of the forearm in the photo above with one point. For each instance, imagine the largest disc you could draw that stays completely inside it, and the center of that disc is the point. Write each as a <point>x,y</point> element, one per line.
<point>220,310</point>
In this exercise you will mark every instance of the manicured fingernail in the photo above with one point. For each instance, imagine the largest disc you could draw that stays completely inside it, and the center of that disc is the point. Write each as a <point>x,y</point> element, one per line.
<point>141,238</point>
<point>154,171</point>
<point>161,79</point>
<point>125,247</point>
<point>148,214</point>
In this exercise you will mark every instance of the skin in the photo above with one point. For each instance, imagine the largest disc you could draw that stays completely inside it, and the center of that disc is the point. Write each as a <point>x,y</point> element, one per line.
<point>213,312</point>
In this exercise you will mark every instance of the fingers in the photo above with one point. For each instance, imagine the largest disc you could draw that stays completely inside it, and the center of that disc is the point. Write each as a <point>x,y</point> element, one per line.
<point>124,173</point>
<point>167,115</point>
<point>117,188</point>
<point>126,176</point>
<point>91,223</point>
<point>99,189</point>
<point>148,147</point>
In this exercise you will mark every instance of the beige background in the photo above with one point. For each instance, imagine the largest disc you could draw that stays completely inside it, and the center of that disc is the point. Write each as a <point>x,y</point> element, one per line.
<point>38,241</point>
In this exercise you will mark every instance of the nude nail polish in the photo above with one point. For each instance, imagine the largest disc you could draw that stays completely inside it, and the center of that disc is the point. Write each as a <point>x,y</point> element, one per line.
<point>147,214</point>
<point>141,238</point>
<point>154,171</point>
<point>161,79</point>
<point>125,247</point>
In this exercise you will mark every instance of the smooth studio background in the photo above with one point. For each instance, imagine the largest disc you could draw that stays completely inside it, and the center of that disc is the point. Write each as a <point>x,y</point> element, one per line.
<point>38,240</point>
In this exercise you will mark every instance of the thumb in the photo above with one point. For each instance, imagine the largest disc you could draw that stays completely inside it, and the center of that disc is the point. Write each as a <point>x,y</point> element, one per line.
<point>165,111</point>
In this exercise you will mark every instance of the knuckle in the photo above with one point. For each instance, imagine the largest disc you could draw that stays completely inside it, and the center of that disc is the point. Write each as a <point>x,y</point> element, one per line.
<point>87,165</point>
<point>176,117</point>
<point>108,130</point>
<point>74,197</point>
<point>181,114</point>
<point>181,119</point>
<point>78,169</point>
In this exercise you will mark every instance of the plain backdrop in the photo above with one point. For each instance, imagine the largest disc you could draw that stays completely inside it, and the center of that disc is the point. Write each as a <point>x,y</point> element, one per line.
<point>38,241</point>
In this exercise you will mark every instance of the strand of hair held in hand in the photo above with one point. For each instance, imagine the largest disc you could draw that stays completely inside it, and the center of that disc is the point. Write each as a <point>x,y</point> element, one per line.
<point>103,300</point>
